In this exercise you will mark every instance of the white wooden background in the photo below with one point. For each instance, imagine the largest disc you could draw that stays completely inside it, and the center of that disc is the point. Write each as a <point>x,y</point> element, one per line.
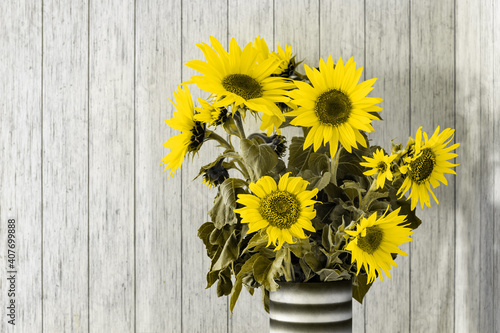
<point>106,243</point>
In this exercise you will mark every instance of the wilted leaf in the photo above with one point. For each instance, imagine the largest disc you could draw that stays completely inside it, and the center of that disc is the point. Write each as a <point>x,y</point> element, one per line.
<point>261,158</point>
<point>265,270</point>
<point>229,253</point>
<point>360,287</point>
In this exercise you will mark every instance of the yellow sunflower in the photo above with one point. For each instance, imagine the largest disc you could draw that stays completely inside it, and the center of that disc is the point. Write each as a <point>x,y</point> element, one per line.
<point>235,78</point>
<point>207,113</point>
<point>381,164</point>
<point>193,132</point>
<point>284,57</point>
<point>283,210</point>
<point>428,165</point>
<point>374,241</point>
<point>335,106</point>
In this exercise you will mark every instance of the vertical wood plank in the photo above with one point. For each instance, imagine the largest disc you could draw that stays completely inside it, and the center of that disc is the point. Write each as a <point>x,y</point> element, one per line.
<point>432,103</point>
<point>111,167</point>
<point>474,302</point>
<point>342,34</point>
<point>298,25</point>
<point>202,310</point>
<point>158,228</point>
<point>248,19</point>
<point>158,242</point>
<point>21,170</point>
<point>65,166</point>
<point>387,58</point>
<point>496,163</point>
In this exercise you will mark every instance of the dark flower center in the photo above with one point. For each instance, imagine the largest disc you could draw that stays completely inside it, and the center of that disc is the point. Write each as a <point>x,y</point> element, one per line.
<point>421,167</point>
<point>382,166</point>
<point>371,242</point>
<point>197,137</point>
<point>242,85</point>
<point>280,208</point>
<point>333,107</point>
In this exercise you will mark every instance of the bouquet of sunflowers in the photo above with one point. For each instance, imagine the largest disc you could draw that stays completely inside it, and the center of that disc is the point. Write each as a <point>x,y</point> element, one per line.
<point>322,206</point>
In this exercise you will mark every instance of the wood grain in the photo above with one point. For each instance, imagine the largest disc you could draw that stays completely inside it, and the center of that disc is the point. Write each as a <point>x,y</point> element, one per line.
<point>65,166</point>
<point>432,80</point>
<point>475,128</point>
<point>387,51</point>
<point>111,167</point>
<point>342,35</point>
<point>107,243</point>
<point>202,310</point>
<point>21,155</point>
<point>157,199</point>
<point>247,20</point>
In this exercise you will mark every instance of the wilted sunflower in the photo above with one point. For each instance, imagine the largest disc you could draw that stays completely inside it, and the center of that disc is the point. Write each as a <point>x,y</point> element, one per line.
<point>428,165</point>
<point>335,106</point>
<point>283,210</point>
<point>381,164</point>
<point>374,241</point>
<point>193,132</point>
<point>213,116</point>
<point>235,78</point>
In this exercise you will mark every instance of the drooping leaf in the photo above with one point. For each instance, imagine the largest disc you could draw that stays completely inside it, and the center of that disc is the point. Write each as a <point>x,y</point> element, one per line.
<point>221,214</point>
<point>265,270</point>
<point>297,155</point>
<point>229,253</point>
<point>360,287</point>
<point>318,163</point>
<point>319,182</point>
<point>225,284</point>
<point>260,158</point>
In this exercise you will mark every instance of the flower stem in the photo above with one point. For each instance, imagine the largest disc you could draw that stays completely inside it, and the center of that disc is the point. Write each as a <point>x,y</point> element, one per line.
<point>334,166</point>
<point>220,140</point>
<point>239,125</point>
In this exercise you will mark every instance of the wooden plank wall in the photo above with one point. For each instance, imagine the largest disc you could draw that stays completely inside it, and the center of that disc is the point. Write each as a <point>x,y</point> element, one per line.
<point>107,243</point>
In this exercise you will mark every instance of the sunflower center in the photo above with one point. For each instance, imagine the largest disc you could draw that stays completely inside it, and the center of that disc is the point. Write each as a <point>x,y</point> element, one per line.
<point>421,168</point>
<point>382,166</point>
<point>280,208</point>
<point>371,242</point>
<point>242,85</point>
<point>333,107</point>
<point>197,137</point>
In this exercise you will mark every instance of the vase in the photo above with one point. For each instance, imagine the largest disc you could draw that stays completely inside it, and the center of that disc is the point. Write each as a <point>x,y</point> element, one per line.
<point>311,307</point>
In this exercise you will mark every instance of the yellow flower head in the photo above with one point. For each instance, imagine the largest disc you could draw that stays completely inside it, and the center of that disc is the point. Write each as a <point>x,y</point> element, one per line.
<point>212,116</point>
<point>335,106</point>
<point>381,164</point>
<point>428,165</point>
<point>236,78</point>
<point>193,132</point>
<point>282,209</point>
<point>374,241</point>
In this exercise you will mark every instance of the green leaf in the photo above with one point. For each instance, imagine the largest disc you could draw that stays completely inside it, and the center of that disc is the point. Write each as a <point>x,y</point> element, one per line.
<point>300,247</point>
<point>229,253</point>
<point>328,238</point>
<point>212,277</point>
<point>235,294</point>
<point>204,233</point>
<point>328,274</point>
<point>297,154</point>
<point>245,271</point>
<point>221,214</point>
<point>265,270</point>
<point>230,189</point>
<point>225,284</point>
<point>360,287</point>
<point>260,158</point>
<point>319,182</point>
<point>318,163</point>
<point>258,239</point>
